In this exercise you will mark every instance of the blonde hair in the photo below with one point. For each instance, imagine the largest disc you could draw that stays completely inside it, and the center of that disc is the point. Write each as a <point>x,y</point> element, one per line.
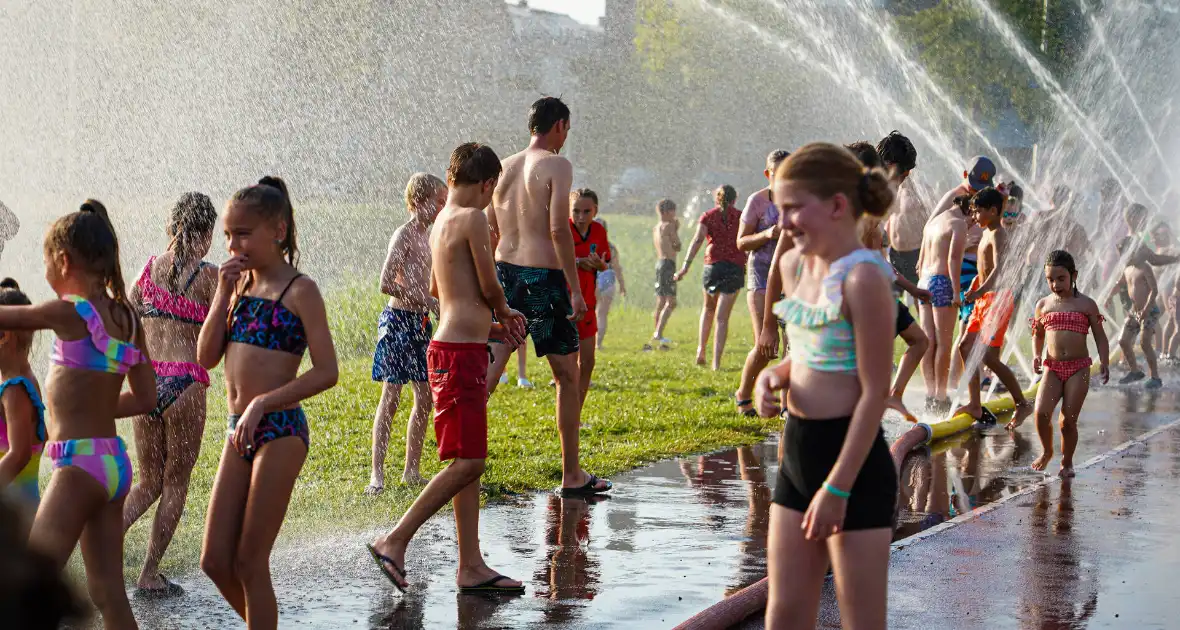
<point>421,189</point>
<point>827,170</point>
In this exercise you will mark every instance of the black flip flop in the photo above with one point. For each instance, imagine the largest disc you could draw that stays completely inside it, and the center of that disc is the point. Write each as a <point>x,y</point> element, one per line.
<point>170,589</point>
<point>749,411</point>
<point>585,490</point>
<point>987,417</point>
<point>490,587</point>
<point>385,563</point>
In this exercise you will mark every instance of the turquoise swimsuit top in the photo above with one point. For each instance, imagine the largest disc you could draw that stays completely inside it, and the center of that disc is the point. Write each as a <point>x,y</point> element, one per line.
<point>820,337</point>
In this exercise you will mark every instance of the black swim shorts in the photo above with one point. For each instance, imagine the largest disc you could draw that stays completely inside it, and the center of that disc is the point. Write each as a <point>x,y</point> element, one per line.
<point>905,319</point>
<point>723,277</point>
<point>810,449</point>
<point>665,271</point>
<point>543,297</point>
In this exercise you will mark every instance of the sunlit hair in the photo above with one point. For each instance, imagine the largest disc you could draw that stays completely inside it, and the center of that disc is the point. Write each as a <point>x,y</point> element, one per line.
<point>88,239</point>
<point>11,295</point>
<point>270,199</point>
<point>775,158</point>
<point>665,205</point>
<point>1063,259</point>
<point>866,153</point>
<point>193,219</point>
<point>545,113</point>
<point>826,170</point>
<point>473,163</point>
<point>586,193</point>
<point>421,190</point>
<point>728,195</point>
<point>897,151</point>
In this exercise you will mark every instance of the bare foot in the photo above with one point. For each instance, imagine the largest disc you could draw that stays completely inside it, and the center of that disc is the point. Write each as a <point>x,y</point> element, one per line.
<point>1067,472</point>
<point>894,403</point>
<point>391,556</point>
<point>373,489</point>
<point>1042,462</point>
<point>415,479</point>
<point>1022,412</point>
<point>482,575</point>
<point>975,411</point>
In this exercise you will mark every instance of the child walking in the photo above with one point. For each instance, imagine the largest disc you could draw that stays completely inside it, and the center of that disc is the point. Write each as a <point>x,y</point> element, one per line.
<point>834,498</point>
<point>667,244</point>
<point>1144,315</point>
<point>469,293</point>
<point>98,347</point>
<point>404,329</point>
<point>1063,320</point>
<point>172,296</point>
<point>22,413</point>
<point>265,315</point>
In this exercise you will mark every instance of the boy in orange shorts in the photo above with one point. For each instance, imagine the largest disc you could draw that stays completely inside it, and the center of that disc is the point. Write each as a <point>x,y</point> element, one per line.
<point>464,280</point>
<point>993,307</point>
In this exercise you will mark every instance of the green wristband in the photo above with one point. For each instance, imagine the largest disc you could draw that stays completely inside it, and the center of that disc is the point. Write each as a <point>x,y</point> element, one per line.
<point>836,491</point>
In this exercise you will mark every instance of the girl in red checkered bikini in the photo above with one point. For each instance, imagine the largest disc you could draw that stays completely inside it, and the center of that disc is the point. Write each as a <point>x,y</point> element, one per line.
<point>1064,319</point>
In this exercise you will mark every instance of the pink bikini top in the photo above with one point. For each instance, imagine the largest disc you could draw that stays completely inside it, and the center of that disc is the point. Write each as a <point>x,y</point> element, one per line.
<point>99,352</point>
<point>160,302</point>
<point>1068,321</point>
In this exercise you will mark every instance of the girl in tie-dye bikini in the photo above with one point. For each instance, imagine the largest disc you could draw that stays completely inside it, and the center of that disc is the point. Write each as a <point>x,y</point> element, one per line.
<point>98,347</point>
<point>22,414</point>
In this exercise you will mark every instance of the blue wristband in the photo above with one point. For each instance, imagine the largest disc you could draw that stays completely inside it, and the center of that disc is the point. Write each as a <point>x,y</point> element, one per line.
<point>836,491</point>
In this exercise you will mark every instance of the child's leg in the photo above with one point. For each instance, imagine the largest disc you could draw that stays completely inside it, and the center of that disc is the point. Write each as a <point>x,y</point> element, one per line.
<point>472,569</point>
<point>991,358</point>
<point>860,563</point>
<point>416,433</point>
<point>276,466</point>
<point>756,303</point>
<point>391,394</point>
<point>149,458</point>
<point>725,303</point>
<point>586,360</point>
<point>662,320</point>
<point>522,361</point>
<point>500,354</point>
<point>102,553</point>
<point>926,317</point>
<point>1048,395</point>
<point>605,300</point>
<point>1127,344</point>
<point>1147,343</point>
<point>795,567</point>
<point>917,344</point>
<point>1071,407</point>
<point>70,500</point>
<point>655,315</point>
<point>974,406</point>
<point>708,313</point>
<point>223,527</point>
<point>945,350</point>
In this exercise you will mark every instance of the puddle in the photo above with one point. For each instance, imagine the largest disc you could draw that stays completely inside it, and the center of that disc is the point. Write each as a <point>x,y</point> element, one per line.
<point>674,538</point>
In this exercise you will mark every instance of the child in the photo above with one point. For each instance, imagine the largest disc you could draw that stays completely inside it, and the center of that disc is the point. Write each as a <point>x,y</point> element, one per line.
<point>1144,314</point>
<point>993,306</point>
<point>608,284</point>
<point>265,315</point>
<point>172,296</point>
<point>98,347</point>
<point>592,255</point>
<point>1064,318</point>
<point>469,294</point>
<point>834,499</point>
<point>667,243</point>
<point>940,267</point>
<point>404,329</point>
<point>22,420</point>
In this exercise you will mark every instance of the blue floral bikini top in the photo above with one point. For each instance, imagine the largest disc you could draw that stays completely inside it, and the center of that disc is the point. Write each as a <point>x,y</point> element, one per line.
<point>267,323</point>
<point>820,337</point>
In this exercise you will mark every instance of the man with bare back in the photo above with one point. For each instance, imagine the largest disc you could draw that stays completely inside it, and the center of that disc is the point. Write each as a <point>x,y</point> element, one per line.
<point>529,219</point>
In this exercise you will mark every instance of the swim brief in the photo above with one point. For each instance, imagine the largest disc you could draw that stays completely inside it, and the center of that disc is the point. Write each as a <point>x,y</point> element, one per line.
<point>665,271</point>
<point>992,312</point>
<point>906,263</point>
<point>272,426</point>
<point>942,294</point>
<point>905,319</point>
<point>723,277</point>
<point>543,297</point>
<point>402,337</point>
<point>104,459</point>
<point>1133,324</point>
<point>459,388</point>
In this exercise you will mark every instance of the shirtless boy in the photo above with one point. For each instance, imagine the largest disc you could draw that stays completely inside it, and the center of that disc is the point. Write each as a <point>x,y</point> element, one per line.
<point>529,218</point>
<point>904,225</point>
<point>1144,315</point>
<point>404,329</point>
<point>993,306</point>
<point>465,283</point>
<point>667,243</point>
<point>939,268</point>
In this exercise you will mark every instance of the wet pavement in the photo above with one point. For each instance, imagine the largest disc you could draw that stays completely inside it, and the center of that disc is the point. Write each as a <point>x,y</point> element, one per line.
<point>682,534</point>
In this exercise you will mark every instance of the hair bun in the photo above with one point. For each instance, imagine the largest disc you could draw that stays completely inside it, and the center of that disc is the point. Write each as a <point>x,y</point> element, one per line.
<point>9,283</point>
<point>273,182</point>
<point>876,192</point>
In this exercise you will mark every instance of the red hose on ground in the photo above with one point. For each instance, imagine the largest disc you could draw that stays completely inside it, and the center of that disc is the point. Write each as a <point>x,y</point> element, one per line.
<point>730,611</point>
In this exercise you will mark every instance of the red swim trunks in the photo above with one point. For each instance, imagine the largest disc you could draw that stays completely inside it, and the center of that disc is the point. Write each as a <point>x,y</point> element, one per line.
<point>993,310</point>
<point>588,327</point>
<point>458,374</point>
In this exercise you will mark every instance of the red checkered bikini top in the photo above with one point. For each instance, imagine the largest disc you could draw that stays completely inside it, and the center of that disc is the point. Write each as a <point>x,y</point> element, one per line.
<point>1068,321</point>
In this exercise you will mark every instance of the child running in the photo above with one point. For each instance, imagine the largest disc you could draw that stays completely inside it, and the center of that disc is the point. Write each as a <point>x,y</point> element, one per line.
<point>98,347</point>
<point>403,330</point>
<point>265,316</point>
<point>1143,316</point>
<point>22,413</point>
<point>172,296</point>
<point>667,243</point>
<point>469,294</point>
<point>1064,319</point>
<point>592,255</point>
<point>834,499</point>
<point>609,284</point>
<point>993,307</point>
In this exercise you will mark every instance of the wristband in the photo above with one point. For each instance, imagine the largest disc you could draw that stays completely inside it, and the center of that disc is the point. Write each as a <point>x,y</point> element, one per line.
<point>833,490</point>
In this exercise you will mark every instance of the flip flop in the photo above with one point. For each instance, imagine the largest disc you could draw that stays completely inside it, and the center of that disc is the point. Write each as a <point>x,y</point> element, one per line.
<point>373,490</point>
<point>170,589</point>
<point>385,563</point>
<point>987,417</point>
<point>585,490</point>
<point>490,587</point>
<point>746,408</point>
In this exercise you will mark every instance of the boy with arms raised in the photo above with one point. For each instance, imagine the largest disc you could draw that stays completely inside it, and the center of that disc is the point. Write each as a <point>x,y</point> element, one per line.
<point>463,279</point>
<point>993,307</point>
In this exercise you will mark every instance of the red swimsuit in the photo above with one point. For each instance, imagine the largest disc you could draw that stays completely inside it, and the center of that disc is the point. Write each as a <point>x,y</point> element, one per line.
<point>1068,321</point>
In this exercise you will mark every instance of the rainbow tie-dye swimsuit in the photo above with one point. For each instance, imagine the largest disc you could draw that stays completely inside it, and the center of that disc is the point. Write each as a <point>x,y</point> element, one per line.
<point>24,486</point>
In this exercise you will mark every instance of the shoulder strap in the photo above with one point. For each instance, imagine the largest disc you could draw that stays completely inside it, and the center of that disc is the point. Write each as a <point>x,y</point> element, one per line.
<point>146,274</point>
<point>284,293</point>
<point>34,397</point>
<point>192,278</point>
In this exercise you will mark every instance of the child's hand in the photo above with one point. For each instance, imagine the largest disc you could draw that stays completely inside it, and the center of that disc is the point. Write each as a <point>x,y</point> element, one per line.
<point>243,438</point>
<point>679,275</point>
<point>971,296</point>
<point>230,272</point>
<point>1037,365</point>
<point>1104,373</point>
<point>510,327</point>
<point>922,295</point>
<point>766,389</point>
<point>768,341</point>
<point>824,516</point>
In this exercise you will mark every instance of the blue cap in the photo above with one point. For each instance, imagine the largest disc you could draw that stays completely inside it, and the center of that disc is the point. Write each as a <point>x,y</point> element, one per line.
<point>981,173</point>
